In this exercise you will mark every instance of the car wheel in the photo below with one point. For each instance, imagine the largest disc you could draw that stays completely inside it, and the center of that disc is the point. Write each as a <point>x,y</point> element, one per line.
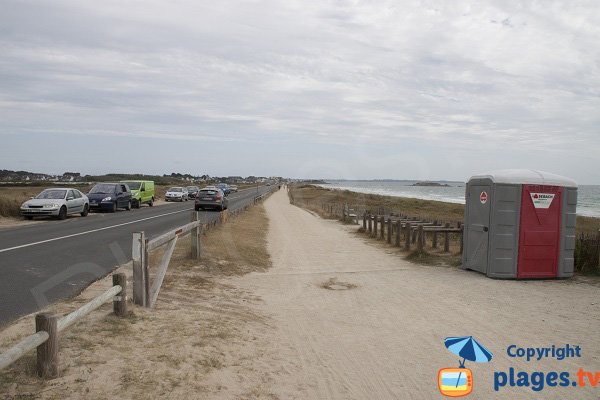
<point>114,207</point>
<point>128,208</point>
<point>29,217</point>
<point>62,214</point>
<point>137,203</point>
<point>151,203</point>
<point>86,210</point>
<point>197,208</point>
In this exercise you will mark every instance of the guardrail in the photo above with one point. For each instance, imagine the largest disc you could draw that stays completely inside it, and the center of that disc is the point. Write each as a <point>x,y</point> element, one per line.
<point>49,326</point>
<point>146,293</point>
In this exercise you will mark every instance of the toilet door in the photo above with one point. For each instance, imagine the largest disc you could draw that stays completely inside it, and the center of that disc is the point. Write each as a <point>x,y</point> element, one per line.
<point>539,231</point>
<point>476,246</point>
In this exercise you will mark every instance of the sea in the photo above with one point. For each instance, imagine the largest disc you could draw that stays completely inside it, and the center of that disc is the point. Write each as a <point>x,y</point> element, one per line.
<point>588,196</point>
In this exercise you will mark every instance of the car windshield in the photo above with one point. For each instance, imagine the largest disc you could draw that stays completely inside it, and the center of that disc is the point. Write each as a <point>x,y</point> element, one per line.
<point>134,185</point>
<point>52,194</point>
<point>103,188</point>
<point>192,188</point>
<point>208,192</point>
<point>176,189</point>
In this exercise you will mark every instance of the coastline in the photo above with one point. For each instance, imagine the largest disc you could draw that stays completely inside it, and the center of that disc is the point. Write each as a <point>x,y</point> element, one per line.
<point>588,195</point>
<point>418,207</point>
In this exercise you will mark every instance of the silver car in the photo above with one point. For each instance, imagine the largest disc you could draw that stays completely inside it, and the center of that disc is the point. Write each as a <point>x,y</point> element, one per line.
<point>56,202</point>
<point>177,193</point>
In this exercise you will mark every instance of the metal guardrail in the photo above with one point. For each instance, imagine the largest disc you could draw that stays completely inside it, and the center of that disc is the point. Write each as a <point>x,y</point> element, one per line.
<point>146,293</point>
<point>49,326</point>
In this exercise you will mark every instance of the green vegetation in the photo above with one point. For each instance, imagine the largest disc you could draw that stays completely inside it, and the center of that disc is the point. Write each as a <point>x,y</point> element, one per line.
<point>320,201</point>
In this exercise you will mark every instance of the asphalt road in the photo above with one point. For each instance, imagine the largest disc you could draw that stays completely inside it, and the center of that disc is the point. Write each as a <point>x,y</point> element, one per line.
<point>53,260</point>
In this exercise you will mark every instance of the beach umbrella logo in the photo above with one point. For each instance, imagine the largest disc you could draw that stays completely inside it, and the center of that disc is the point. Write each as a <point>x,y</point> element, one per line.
<point>458,382</point>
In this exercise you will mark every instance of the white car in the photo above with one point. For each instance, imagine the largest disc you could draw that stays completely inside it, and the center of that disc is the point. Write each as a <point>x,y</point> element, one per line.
<point>56,202</point>
<point>177,194</point>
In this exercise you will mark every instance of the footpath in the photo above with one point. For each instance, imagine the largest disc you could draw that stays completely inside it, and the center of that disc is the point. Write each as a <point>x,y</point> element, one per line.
<point>352,321</point>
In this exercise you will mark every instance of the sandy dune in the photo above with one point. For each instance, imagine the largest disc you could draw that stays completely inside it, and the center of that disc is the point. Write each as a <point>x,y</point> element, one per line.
<point>383,338</point>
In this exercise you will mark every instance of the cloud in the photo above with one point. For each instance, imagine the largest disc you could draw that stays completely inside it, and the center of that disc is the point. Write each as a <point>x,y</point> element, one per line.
<point>512,75</point>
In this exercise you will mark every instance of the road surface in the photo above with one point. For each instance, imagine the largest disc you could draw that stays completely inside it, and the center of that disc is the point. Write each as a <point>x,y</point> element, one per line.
<point>52,260</point>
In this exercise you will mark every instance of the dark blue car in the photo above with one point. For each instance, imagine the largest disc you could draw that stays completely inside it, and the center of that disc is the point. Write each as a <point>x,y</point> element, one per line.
<point>110,196</point>
<point>224,187</point>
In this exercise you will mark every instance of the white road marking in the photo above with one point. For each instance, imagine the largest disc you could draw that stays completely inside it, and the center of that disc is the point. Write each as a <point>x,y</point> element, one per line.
<point>94,230</point>
<point>90,231</point>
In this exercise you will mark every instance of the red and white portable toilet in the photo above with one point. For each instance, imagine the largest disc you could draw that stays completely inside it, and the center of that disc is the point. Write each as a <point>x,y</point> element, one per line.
<point>520,224</point>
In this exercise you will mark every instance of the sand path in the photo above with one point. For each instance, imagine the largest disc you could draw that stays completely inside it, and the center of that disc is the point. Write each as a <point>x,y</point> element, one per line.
<point>383,339</point>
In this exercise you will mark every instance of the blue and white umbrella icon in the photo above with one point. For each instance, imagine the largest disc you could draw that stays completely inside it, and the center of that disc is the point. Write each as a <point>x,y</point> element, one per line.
<point>469,349</point>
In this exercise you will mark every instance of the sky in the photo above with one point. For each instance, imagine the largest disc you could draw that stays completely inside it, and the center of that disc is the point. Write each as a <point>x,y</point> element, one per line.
<point>310,89</point>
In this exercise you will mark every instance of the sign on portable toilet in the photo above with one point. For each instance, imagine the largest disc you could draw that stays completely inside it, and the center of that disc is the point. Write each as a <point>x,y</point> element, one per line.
<point>520,224</point>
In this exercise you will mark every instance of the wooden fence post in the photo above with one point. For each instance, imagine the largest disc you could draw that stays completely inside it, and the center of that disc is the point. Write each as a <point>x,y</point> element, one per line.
<point>370,223</point>
<point>146,267</point>
<point>47,352</point>
<point>375,219</point>
<point>407,238</point>
<point>398,229</point>
<point>195,236</point>
<point>420,238</point>
<point>414,236</point>
<point>447,239</point>
<point>434,240</point>
<point>389,231</point>
<point>139,254</point>
<point>382,229</point>
<point>462,242</point>
<point>120,300</point>
<point>598,249</point>
<point>365,221</point>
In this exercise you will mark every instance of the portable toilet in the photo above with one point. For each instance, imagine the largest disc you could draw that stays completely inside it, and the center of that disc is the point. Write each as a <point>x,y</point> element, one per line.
<point>520,224</point>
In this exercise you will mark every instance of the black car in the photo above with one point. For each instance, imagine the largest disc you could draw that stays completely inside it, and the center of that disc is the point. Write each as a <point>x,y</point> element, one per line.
<point>193,191</point>
<point>110,196</point>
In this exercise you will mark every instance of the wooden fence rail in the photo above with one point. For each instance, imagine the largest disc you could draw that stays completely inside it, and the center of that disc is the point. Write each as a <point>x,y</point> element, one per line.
<point>405,229</point>
<point>146,293</point>
<point>391,226</point>
<point>48,328</point>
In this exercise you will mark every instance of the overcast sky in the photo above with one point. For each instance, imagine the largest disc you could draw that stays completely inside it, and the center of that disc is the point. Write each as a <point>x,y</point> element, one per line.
<point>341,89</point>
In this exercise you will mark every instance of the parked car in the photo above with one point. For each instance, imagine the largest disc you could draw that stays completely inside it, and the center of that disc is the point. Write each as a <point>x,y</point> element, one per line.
<point>110,197</point>
<point>211,197</point>
<point>233,188</point>
<point>56,202</point>
<point>177,193</point>
<point>142,192</point>
<point>224,187</point>
<point>192,191</point>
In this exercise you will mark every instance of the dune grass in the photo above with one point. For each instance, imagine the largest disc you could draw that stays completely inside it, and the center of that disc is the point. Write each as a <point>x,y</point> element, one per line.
<point>312,197</point>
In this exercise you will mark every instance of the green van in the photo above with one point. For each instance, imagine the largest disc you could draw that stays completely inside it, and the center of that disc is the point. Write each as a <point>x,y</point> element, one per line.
<point>141,192</point>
